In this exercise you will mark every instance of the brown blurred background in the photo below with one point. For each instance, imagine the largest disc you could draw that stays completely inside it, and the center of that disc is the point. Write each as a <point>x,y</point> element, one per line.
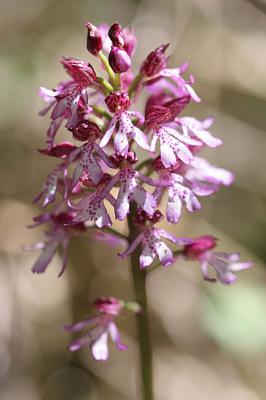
<point>209,341</point>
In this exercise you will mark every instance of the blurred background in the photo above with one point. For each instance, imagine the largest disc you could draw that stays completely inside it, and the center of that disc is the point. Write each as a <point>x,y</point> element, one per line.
<point>209,341</point>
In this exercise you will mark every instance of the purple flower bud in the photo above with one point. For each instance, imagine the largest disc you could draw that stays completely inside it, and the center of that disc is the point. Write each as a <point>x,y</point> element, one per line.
<point>80,71</point>
<point>117,101</point>
<point>130,40</point>
<point>119,60</point>
<point>155,62</point>
<point>158,114</point>
<point>116,35</point>
<point>108,305</point>
<point>127,79</point>
<point>86,130</point>
<point>94,39</point>
<point>200,246</point>
<point>61,150</point>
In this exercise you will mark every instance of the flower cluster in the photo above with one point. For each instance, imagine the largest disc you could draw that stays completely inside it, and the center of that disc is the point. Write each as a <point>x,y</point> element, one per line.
<point>100,327</point>
<point>127,160</point>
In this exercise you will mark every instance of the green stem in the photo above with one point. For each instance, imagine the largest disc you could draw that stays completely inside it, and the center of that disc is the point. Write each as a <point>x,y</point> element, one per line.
<point>107,67</point>
<point>139,282</point>
<point>135,83</point>
<point>100,111</point>
<point>117,82</point>
<point>106,86</point>
<point>114,78</point>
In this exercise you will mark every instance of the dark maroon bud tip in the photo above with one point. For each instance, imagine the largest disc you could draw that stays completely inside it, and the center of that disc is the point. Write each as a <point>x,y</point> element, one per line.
<point>94,39</point>
<point>155,62</point>
<point>119,60</point>
<point>116,35</point>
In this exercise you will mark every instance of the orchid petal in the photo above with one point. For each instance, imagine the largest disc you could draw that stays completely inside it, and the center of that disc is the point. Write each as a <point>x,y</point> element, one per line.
<point>173,238</point>
<point>164,253</point>
<point>133,245</point>
<point>103,156</point>
<point>108,134</point>
<point>184,153</point>
<point>145,200</point>
<point>138,115</point>
<point>205,272</point>
<point>167,155</point>
<point>99,348</point>
<point>174,208</point>
<point>153,143</point>
<point>140,138</point>
<point>79,326</point>
<point>84,341</point>
<point>45,258</point>
<point>147,256</point>
<point>115,335</point>
<point>121,143</point>
<point>59,108</point>
<point>64,246</point>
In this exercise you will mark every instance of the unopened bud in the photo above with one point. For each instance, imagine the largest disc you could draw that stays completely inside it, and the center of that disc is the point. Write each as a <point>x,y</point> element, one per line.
<point>155,61</point>
<point>116,35</point>
<point>86,130</point>
<point>80,71</point>
<point>200,246</point>
<point>130,40</point>
<point>61,150</point>
<point>94,39</point>
<point>119,60</point>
